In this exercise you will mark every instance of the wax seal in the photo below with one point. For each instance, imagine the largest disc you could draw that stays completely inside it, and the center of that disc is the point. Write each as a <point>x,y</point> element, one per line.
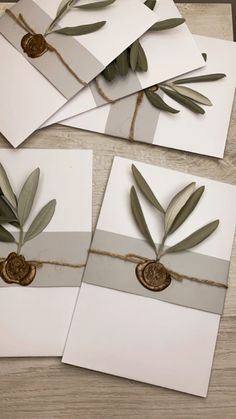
<point>34,45</point>
<point>16,270</point>
<point>153,275</point>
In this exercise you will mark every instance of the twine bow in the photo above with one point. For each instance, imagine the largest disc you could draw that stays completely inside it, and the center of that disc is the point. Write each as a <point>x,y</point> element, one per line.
<point>24,25</point>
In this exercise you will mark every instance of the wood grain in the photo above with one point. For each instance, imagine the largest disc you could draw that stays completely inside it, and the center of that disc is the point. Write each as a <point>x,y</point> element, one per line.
<point>45,388</point>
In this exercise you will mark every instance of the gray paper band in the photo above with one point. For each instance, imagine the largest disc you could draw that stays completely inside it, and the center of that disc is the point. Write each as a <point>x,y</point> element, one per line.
<point>121,115</point>
<point>61,247</point>
<point>83,63</point>
<point>116,89</point>
<point>120,275</point>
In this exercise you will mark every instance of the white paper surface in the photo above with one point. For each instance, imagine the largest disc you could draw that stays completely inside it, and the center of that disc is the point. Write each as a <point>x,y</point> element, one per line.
<point>169,54</point>
<point>35,321</point>
<point>27,99</point>
<point>203,134</point>
<point>141,338</point>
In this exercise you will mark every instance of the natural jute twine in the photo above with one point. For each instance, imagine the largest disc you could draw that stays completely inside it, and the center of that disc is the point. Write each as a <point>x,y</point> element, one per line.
<point>24,25</point>
<point>133,258</point>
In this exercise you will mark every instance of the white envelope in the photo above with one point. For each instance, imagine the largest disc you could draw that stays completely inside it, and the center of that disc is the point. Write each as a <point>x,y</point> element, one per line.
<point>138,337</point>
<point>203,134</point>
<point>27,98</point>
<point>169,54</point>
<point>34,320</point>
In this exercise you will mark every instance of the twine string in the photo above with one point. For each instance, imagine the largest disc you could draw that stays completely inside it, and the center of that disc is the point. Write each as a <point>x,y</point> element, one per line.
<point>24,25</point>
<point>40,263</point>
<point>139,101</point>
<point>101,92</point>
<point>133,258</point>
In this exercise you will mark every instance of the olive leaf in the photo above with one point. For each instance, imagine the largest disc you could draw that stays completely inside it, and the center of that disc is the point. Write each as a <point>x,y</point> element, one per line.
<point>81,29</point>
<point>27,195</point>
<point>188,103</point>
<point>197,79</point>
<point>110,72</point>
<point>176,204</point>
<point>158,102</point>
<point>138,59</point>
<point>142,64</point>
<point>139,217</point>
<point>4,219</point>
<point>41,221</point>
<point>5,209</point>
<point>95,5</point>
<point>134,51</point>
<point>5,186</point>
<point>195,238</point>
<point>167,24</point>
<point>63,5</point>
<point>5,236</point>
<point>150,4</point>
<point>145,189</point>
<point>61,11</point>
<point>192,94</point>
<point>187,209</point>
<point>122,63</point>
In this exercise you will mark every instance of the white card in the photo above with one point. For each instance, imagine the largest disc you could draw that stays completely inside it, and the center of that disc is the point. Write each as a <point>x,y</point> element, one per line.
<point>34,319</point>
<point>27,97</point>
<point>138,337</point>
<point>169,53</point>
<point>203,134</point>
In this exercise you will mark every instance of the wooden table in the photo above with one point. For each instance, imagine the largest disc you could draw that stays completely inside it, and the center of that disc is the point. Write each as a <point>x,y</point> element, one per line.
<point>45,388</point>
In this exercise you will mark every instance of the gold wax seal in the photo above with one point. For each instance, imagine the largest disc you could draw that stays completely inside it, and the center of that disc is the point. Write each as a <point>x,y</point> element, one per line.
<point>34,45</point>
<point>16,270</point>
<point>153,275</point>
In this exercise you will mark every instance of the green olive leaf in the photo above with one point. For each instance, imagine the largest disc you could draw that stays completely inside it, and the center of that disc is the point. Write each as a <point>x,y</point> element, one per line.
<point>6,210</point>
<point>41,221</point>
<point>63,5</point>
<point>110,72</point>
<point>4,219</point>
<point>167,24</point>
<point>145,189</point>
<point>27,195</point>
<point>176,204</point>
<point>61,11</point>
<point>195,238</point>
<point>187,209</point>
<point>142,64</point>
<point>95,5</point>
<point>198,79</point>
<point>5,236</point>
<point>134,52</point>
<point>122,63</point>
<point>80,30</point>
<point>158,102</point>
<point>150,4</point>
<point>192,94</point>
<point>139,217</point>
<point>6,188</point>
<point>188,103</point>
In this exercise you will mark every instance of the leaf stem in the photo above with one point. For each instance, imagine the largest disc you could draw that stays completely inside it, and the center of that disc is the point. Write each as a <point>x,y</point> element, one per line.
<point>161,247</point>
<point>20,242</point>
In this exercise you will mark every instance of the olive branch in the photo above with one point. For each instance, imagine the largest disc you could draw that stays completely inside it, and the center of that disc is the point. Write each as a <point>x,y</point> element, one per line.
<point>189,98</point>
<point>66,6</point>
<point>16,211</point>
<point>179,209</point>
<point>134,57</point>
